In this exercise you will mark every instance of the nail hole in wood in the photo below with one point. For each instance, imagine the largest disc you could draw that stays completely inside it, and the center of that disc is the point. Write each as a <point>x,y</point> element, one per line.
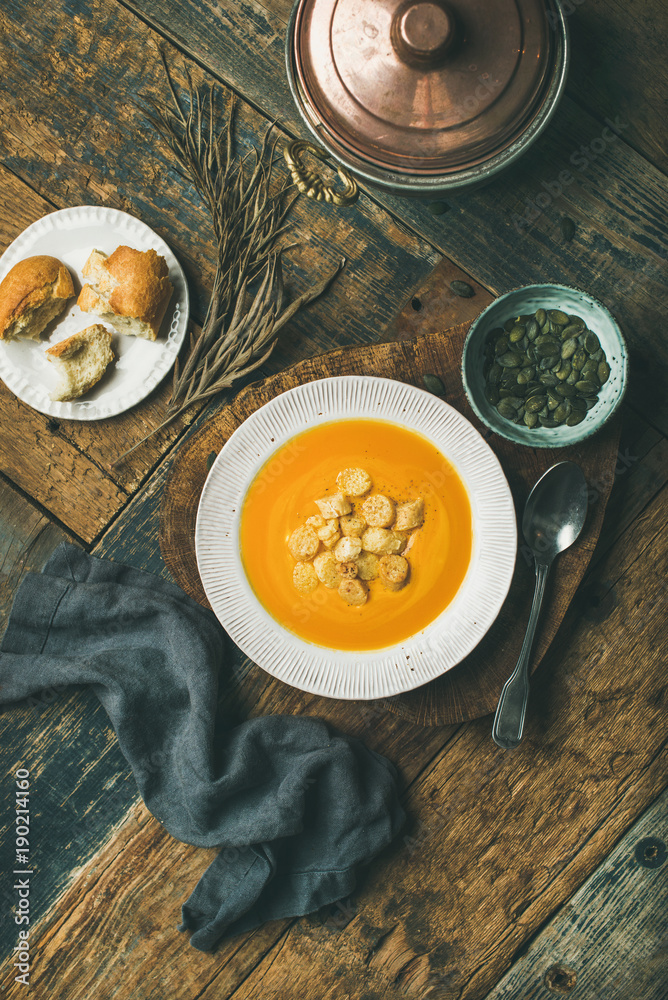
<point>560,979</point>
<point>650,852</point>
<point>417,305</point>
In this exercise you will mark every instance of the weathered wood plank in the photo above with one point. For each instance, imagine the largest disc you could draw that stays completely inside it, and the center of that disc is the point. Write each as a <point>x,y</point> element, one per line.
<point>80,145</point>
<point>54,472</point>
<point>507,233</point>
<point>469,883</point>
<point>98,138</point>
<point>73,806</point>
<point>609,940</point>
<point>28,459</point>
<point>618,67</point>
<point>507,841</point>
<point>85,787</point>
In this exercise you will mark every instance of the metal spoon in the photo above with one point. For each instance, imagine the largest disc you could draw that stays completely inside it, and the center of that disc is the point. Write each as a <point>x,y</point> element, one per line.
<point>553,518</point>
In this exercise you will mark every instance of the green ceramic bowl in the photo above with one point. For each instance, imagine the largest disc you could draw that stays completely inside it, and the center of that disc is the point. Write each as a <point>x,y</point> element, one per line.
<point>526,300</point>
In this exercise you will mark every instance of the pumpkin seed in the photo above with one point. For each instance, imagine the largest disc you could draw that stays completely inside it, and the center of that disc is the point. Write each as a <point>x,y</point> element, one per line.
<point>543,370</point>
<point>586,388</point>
<point>548,378</point>
<point>432,383</point>
<point>579,358</point>
<point>510,360</point>
<point>567,227</point>
<point>562,411</point>
<point>462,289</point>
<point>569,347</point>
<point>492,394</point>
<point>506,408</point>
<point>592,343</point>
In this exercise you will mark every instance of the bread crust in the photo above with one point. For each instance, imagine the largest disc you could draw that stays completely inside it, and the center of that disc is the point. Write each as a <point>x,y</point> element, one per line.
<point>76,340</point>
<point>131,283</point>
<point>30,283</point>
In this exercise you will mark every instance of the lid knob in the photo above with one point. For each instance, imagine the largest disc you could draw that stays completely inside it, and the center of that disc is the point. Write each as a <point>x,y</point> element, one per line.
<point>423,32</point>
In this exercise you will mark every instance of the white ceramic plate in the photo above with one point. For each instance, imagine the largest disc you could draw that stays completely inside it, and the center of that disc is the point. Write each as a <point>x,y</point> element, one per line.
<point>422,657</point>
<point>70,235</point>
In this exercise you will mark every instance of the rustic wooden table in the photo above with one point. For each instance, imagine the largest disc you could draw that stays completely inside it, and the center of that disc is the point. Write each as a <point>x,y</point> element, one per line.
<point>520,875</point>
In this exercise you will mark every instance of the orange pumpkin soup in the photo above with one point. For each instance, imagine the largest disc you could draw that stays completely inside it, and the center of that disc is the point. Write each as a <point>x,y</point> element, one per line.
<point>403,465</point>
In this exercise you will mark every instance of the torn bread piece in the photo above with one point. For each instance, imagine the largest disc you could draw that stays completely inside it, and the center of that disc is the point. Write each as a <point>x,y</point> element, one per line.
<point>81,360</point>
<point>129,288</point>
<point>33,293</point>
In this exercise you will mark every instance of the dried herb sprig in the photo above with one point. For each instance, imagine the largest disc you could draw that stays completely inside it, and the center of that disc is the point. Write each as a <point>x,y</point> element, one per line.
<point>248,210</point>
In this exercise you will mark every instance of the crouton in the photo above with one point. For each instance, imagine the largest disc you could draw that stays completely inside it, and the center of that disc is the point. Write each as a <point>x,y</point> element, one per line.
<point>378,511</point>
<point>334,506</point>
<point>303,543</point>
<point>347,548</point>
<point>393,572</point>
<point>380,541</point>
<point>367,566</point>
<point>304,577</point>
<point>353,592</point>
<point>325,566</point>
<point>352,524</point>
<point>347,570</point>
<point>410,515</point>
<point>354,482</point>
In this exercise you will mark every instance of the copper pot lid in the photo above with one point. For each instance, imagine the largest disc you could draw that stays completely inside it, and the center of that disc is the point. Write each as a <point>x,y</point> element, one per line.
<point>422,86</point>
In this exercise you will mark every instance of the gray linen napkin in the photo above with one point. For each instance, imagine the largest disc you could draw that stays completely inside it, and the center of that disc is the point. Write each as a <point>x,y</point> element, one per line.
<point>295,807</point>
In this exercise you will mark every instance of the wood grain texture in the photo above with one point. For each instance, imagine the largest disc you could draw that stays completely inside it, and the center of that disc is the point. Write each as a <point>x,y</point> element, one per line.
<point>507,233</point>
<point>618,67</point>
<point>68,145</point>
<point>497,846</point>
<point>609,940</point>
<point>81,785</point>
<point>497,842</point>
<point>46,457</point>
<point>472,688</point>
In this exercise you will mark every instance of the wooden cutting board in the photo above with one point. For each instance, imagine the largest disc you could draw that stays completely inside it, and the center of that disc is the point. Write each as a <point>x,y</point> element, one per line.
<point>472,688</point>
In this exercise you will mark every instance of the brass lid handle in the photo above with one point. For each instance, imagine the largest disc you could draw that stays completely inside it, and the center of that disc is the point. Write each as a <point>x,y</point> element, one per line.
<point>310,183</point>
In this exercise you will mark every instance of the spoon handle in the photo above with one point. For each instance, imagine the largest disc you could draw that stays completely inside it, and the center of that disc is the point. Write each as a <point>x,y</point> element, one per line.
<point>509,718</point>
